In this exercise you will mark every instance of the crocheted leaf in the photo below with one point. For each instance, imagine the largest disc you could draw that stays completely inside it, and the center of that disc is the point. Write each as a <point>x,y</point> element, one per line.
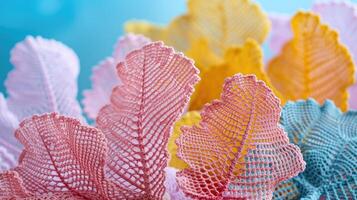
<point>7,159</point>
<point>245,151</point>
<point>105,78</point>
<point>247,59</point>
<point>328,141</point>
<point>61,155</point>
<point>280,32</point>
<point>321,66</point>
<point>157,83</point>
<point>189,119</point>
<point>215,20</point>
<point>8,124</point>
<point>44,79</point>
<point>171,185</point>
<point>11,186</point>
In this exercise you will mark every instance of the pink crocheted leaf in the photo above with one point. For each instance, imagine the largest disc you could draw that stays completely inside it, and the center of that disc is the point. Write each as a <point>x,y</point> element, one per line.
<point>61,155</point>
<point>11,186</point>
<point>105,78</point>
<point>44,79</point>
<point>280,31</point>
<point>238,150</point>
<point>157,83</point>
<point>8,124</point>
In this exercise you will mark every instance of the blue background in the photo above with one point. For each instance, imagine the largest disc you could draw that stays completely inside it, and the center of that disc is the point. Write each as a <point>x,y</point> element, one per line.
<point>91,27</point>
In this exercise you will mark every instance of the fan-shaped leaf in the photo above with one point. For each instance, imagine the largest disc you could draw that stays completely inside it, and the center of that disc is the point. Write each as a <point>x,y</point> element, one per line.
<point>8,124</point>
<point>105,78</point>
<point>157,83</point>
<point>215,20</point>
<point>60,156</point>
<point>44,79</point>
<point>189,119</point>
<point>171,185</point>
<point>11,186</point>
<point>238,150</point>
<point>328,141</point>
<point>247,59</point>
<point>313,64</point>
<point>7,159</point>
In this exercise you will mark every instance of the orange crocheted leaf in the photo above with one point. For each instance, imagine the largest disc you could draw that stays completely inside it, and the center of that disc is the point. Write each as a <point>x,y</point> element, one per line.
<point>61,157</point>
<point>238,150</point>
<point>215,20</point>
<point>313,64</point>
<point>189,119</point>
<point>247,59</point>
<point>157,83</point>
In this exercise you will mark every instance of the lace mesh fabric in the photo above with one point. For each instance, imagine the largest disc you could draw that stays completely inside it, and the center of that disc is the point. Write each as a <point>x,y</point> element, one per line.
<point>328,141</point>
<point>238,150</point>
<point>157,83</point>
<point>104,77</point>
<point>61,158</point>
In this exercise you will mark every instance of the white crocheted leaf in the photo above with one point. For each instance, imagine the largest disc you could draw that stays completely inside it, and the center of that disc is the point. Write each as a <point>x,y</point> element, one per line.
<point>8,124</point>
<point>7,159</point>
<point>44,79</point>
<point>238,150</point>
<point>105,77</point>
<point>157,83</point>
<point>280,32</point>
<point>172,188</point>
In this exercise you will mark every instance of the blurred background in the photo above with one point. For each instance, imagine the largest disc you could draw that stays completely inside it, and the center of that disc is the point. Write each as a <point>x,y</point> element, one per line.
<point>91,27</point>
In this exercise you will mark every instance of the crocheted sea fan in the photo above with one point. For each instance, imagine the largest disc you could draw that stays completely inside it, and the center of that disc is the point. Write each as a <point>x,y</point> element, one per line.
<point>157,83</point>
<point>61,159</point>
<point>247,59</point>
<point>171,185</point>
<point>321,66</point>
<point>9,147</point>
<point>245,152</point>
<point>214,20</point>
<point>44,79</point>
<point>328,141</point>
<point>104,77</point>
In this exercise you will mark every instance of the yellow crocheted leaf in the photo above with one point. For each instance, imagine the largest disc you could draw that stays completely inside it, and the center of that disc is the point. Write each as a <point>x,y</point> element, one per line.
<point>247,59</point>
<point>313,64</point>
<point>204,58</point>
<point>147,29</point>
<point>189,119</point>
<point>222,22</point>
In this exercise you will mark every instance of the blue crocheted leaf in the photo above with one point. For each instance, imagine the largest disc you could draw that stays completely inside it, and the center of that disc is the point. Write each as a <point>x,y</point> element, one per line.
<point>328,141</point>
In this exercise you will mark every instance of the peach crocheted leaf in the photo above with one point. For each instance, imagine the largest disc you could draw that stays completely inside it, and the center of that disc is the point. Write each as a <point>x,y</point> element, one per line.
<point>8,124</point>
<point>313,64</point>
<point>105,78</point>
<point>188,119</point>
<point>247,59</point>
<point>61,155</point>
<point>328,141</point>
<point>44,79</point>
<point>245,151</point>
<point>215,20</point>
<point>157,83</point>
